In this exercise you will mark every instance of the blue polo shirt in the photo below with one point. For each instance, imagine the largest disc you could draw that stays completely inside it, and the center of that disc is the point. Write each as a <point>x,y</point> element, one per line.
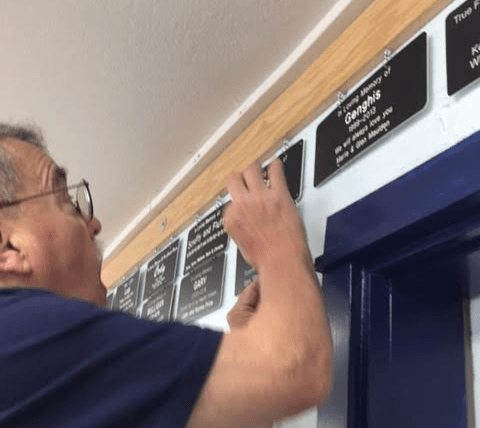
<point>67,363</point>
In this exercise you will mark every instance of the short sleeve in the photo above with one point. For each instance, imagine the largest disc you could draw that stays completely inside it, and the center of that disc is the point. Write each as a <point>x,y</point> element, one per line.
<point>71,364</point>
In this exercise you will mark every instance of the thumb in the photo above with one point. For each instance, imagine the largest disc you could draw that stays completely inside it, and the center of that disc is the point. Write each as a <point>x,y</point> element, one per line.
<point>250,296</point>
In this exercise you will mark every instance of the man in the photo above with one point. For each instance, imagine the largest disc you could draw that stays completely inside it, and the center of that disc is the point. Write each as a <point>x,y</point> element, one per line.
<point>66,362</point>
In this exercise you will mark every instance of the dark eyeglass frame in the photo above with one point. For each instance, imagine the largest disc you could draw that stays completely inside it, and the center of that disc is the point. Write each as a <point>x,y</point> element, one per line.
<point>83,184</point>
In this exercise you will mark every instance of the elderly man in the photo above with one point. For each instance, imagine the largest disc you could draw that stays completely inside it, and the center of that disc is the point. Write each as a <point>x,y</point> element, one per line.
<point>67,362</point>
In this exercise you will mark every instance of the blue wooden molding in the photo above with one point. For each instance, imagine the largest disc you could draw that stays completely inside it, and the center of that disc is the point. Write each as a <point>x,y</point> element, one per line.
<point>407,208</point>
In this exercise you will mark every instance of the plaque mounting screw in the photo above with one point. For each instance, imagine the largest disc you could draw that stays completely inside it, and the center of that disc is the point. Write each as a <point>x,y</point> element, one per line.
<point>387,55</point>
<point>163,224</point>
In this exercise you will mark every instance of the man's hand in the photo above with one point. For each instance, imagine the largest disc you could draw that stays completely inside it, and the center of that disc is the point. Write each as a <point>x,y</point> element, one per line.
<point>246,306</point>
<point>263,220</point>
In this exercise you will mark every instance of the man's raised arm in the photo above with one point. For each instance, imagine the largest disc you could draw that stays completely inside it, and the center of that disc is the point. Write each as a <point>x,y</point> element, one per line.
<point>280,361</point>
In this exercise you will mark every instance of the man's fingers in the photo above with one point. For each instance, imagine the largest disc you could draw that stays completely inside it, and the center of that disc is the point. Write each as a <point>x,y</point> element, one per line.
<point>246,306</point>
<point>249,180</point>
<point>236,185</point>
<point>250,295</point>
<point>276,175</point>
<point>254,178</point>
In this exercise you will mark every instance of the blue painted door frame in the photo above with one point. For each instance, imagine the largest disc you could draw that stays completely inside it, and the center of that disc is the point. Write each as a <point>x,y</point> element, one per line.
<point>397,267</point>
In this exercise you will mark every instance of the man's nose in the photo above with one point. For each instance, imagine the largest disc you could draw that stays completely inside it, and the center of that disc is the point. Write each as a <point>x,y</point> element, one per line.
<point>94,227</point>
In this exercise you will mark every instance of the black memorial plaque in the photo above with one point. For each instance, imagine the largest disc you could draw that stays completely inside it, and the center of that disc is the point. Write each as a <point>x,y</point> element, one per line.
<point>392,95</point>
<point>205,239</point>
<point>126,294</point>
<point>245,274</point>
<point>159,305</point>
<point>161,269</point>
<point>201,292</point>
<point>292,160</point>
<point>463,45</point>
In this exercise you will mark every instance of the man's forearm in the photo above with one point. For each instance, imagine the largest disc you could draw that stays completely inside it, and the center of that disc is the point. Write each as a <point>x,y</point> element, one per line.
<point>291,294</point>
<point>294,317</point>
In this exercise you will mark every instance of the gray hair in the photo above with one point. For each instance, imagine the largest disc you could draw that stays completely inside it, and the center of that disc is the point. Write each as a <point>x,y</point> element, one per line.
<point>8,175</point>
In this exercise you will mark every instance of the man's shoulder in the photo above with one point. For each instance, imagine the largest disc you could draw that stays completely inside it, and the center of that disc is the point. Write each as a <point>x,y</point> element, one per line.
<point>43,310</point>
<point>42,307</point>
<point>69,348</point>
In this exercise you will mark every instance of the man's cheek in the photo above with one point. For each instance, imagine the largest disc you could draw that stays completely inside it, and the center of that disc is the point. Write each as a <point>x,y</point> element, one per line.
<point>99,252</point>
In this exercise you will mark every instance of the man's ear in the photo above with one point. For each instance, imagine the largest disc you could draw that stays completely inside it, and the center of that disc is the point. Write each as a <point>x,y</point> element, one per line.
<point>11,259</point>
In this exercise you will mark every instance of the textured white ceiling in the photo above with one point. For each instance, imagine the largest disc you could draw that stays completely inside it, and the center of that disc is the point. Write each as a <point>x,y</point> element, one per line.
<point>128,91</point>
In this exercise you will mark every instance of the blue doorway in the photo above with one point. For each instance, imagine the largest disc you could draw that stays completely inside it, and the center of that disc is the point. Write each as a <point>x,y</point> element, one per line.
<point>400,267</point>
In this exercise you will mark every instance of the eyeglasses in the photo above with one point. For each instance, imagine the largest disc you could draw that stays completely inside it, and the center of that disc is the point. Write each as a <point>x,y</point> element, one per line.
<point>82,201</point>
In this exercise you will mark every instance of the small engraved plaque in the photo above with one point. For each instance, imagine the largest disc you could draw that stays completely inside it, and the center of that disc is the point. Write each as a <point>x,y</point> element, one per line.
<point>397,91</point>
<point>463,45</point>
<point>159,305</point>
<point>201,292</point>
<point>292,160</point>
<point>161,269</point>
<point>205,240</point>
<point>126,295</point>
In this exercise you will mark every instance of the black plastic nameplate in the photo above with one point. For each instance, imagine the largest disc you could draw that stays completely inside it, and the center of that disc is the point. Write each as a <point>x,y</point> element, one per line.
<point>393,94</point>
<point>159,305</point>
<point>126,295</point>
<point>292,160</point>
<point>161,269</point>
<point>245,274</point>
<point>463,45</point>
<point>205,239</point>
<point>201,291</point>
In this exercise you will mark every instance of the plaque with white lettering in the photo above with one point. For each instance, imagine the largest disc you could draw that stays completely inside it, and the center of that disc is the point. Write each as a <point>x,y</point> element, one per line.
<point>292,160</point>
<point>463,45</point>
<point>245,274</point>
<point>161,269</point>
<point>201,292</point>
<point>159,305</point>
<point>397,91</point>
<point>205,239</point>
<point>126,295</point>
